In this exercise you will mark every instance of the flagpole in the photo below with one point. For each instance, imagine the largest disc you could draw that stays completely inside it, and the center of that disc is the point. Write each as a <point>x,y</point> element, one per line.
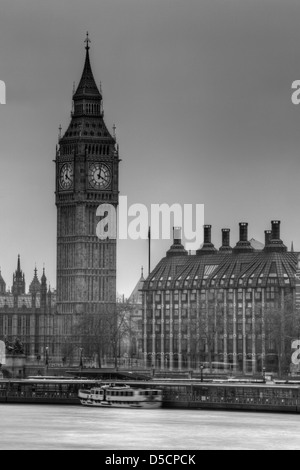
<point>149,248</point>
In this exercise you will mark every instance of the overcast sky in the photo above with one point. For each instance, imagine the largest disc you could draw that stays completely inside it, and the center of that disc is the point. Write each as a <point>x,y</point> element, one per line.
<point>200,91</point>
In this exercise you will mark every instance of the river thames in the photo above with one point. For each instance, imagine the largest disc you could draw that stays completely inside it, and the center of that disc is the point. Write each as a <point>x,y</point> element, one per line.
<point>65,427</point>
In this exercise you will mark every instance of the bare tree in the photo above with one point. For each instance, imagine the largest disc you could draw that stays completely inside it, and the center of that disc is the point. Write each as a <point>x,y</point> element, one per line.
<point>204,328</point>
<point>281,324</point>
<point>102,334</point>
<point>67,350</point>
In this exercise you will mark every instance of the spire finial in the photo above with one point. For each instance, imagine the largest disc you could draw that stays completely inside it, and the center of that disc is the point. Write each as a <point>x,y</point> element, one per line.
<point>87,41</point>
<point>114,132</point>
<point>142,272</point>
<point>59,132</point>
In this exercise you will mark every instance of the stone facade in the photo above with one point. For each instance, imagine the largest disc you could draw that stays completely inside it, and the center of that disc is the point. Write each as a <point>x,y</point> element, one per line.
<point>214,308</point>
<point>87,176</point>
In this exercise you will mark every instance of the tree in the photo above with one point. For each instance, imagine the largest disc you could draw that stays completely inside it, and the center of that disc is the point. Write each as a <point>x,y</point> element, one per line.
<point>102,334</point>
<point>204,327</point>
<point>281,324</point>
<point>67,350</point>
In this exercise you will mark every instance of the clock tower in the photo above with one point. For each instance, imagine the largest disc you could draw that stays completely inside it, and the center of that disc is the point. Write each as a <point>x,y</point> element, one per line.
<point>87,163</point>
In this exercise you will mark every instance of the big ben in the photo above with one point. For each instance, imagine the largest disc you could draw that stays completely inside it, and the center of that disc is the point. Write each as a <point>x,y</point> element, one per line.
<point>87,163</point>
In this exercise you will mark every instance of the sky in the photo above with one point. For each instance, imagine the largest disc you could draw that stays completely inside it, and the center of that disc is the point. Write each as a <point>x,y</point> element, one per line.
<point>200,92</point>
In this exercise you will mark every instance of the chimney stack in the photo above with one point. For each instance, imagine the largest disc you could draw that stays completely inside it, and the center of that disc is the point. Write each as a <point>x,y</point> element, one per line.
<point>225,240</point>
<point>207,234</point>
<point>268,234</point>
<point>177,235</point>
<point>243,232</point>
<point>177,249</point>
<point>275,229</point>
<point>273,243</point>
<point>208,247</point>
<point>243,245</point>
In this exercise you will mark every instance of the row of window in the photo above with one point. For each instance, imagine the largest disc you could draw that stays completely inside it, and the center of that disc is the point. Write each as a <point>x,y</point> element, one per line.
<point>270,293</point>
<point>88,108</point>
<point>87,124</point>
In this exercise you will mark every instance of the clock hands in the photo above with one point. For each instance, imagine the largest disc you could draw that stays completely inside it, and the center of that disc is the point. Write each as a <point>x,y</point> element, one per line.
<point>99,176</point>
<point>102,176</point>
<point>66,178</point>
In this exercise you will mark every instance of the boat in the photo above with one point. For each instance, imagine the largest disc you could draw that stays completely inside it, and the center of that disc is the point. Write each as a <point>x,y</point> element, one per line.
<point>121,396</point>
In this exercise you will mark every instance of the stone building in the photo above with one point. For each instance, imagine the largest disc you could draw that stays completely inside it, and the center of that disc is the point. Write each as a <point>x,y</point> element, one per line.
<point>216,306</point>
<point>87,176</point>
<point>28,316</point>
<point>135,344</point>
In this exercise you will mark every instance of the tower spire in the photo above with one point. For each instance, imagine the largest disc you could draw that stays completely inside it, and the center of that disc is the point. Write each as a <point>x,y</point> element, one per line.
<point>87,98</point>
<point>87,41</point>
<point>18,287</point>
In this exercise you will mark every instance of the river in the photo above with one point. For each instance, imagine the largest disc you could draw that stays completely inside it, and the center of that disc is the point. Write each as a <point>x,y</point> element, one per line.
<point>65,427</point>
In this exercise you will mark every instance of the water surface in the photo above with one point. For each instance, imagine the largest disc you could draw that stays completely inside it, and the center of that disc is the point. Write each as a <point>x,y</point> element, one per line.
<point>66,427</point>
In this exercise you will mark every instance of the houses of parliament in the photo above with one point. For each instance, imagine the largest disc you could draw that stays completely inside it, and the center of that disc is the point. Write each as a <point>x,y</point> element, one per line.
<point>238,306</point>
<point>87,173</point>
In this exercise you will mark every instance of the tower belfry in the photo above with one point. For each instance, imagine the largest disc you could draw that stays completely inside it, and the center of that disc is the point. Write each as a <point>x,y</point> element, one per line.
<point>87,174</point>
<point>18,287</point>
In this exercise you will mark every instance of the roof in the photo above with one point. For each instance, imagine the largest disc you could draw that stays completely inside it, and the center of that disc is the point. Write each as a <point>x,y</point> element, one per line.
<point>87,86</point>
<point>35,285</point>
<point>224,270</point>
<point>86,125</point>
<point>256,244</point>
<point>24,301</point>
<point>136,295</point>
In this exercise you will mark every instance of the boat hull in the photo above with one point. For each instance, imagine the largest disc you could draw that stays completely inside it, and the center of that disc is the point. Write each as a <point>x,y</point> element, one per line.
<point>121,397</point>
<point>143,405</point>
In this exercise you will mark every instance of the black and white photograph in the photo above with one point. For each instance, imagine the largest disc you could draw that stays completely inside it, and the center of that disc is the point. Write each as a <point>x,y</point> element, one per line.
<point>150,227</point>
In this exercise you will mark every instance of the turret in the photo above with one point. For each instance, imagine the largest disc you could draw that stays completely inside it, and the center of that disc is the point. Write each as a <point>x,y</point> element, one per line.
<point>35,288</point>
<point>18,287</point>
<point>43,292</point>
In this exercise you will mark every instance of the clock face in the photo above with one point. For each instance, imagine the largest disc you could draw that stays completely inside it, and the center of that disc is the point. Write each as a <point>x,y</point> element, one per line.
<point>99,176</point>
<point>66,176</point>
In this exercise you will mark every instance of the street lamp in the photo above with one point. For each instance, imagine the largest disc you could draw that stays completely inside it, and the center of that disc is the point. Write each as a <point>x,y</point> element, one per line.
<point>264,374</point>
<point>201,370</point>
<point>47,360</point>
<point>81,360</point>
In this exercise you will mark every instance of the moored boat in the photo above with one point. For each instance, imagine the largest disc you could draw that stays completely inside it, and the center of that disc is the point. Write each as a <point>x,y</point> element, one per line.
<point>121,396</point>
